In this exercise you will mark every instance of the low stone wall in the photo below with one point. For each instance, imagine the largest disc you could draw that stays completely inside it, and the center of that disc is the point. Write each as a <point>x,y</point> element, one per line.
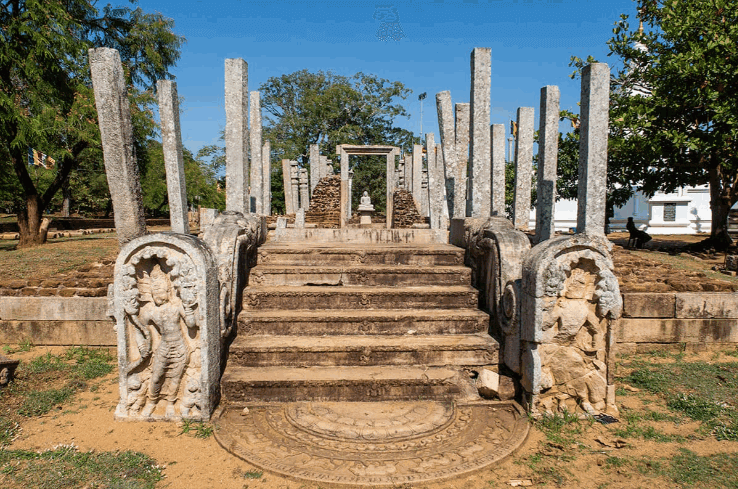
<point>681,320</point>
<point>56,321</point>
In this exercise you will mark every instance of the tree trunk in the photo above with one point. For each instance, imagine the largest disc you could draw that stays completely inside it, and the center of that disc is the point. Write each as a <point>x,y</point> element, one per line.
<point>722,198</point>
<point>67,199</point>
<point>32,232</point>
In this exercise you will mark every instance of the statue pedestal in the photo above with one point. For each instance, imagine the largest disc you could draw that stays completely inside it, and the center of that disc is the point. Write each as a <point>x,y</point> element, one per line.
<point>365,212</point>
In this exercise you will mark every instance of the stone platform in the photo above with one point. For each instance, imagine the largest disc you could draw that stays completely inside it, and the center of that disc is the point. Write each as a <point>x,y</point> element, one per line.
<point>373,443</point>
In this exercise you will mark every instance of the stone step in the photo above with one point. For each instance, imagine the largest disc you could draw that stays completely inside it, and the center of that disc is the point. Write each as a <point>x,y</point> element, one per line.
<point>295,254</point>
<point>363,350</point>
<point>243,385</point>
<point>363,322</point>
<point>382,275</point>
<point>348,235</point>
<point>362,298</point>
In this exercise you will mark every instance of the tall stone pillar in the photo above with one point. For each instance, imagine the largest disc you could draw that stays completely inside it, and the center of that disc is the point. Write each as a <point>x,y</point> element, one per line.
<point>437,203</point>
<point>295,182</point>
<point>523,167</point>
<point>417,187</point>
<point>391,184</point>
<point>116,132</point>
<point>424,193</point>
<point>237,135</point>
<point>479,147</point>
<point>461,172</point>
<point>287,182</point>
<point>304,189</point>
<point>256,182</point>
<point>498,169</point>
<point>266,164</point>
<point>548,148</point>
<point>592,191</point>
<point>350,192</point>
<point>450,157</point>
<point>316,167</point>
<point>171,141</point>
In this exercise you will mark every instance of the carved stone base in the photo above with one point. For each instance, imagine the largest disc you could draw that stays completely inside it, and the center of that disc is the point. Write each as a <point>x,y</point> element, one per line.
<point>373,443</point>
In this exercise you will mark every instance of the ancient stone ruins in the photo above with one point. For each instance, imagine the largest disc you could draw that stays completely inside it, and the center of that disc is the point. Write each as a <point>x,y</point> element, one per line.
<point>365,350</point>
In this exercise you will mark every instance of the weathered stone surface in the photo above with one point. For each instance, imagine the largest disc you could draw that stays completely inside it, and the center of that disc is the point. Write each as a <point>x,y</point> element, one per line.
<point>7,370</point>
<point>462,132</point>
<point>300,218</point>
<point>523,168</point>
<point>295,184</point>
<point>450,157</point>
<point>731,262</point>
<point>592,189</point>
<point>287,182</point>
<point>479,147</point>
<point>316,172</point>
<point>237,135</point>
<point>548,149</point>
<point>266,164</point>
<point>677,331</point>
<point>207,217</point>
<point>491,385</point>
<point>256,182</point>
<point>171,139</point>
<point>417,188</point>
<point>304,188</point>
<point>116,132</point>
<point>437,203</point>
<point>405,210</point>
<point>498,169</point>
<point>400,443</point>
<point>166,287</point>
<point>570,300</point>
<point>706,306</point>
<point>325,205</point>
<point>649,305</point>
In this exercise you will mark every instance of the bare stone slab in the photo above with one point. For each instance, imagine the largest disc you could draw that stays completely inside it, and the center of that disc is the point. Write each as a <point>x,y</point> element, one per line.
<point>649,305</point>
<point>498,169</point>
<point>706,306</point>
<point>237,134</point>
<point>256,181</point>
<point>523,168</point>
<point>548,148</point>
<point>266,163</point>
<point>287,182</point>
<point>479,147</point>
<point>171,138</point>
<point>300,218</point>
<point>592,190</point>
<point>675,331</point>
<point>114,116</point>
<point>450,156</point>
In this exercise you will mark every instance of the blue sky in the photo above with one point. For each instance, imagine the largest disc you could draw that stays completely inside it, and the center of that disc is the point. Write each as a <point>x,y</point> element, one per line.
<point>531,41</point>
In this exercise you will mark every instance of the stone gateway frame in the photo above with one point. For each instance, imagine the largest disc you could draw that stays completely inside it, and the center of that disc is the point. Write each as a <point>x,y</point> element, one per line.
<point>344,151</point>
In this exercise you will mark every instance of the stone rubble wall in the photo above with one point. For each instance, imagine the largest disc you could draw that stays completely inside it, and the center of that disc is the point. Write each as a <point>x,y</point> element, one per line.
<point>325,204</point>
<point>405,210</point>
<point>87,281</point>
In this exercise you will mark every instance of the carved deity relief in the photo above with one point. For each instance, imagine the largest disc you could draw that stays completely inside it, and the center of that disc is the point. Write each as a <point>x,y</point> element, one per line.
<point>162,320</point>
<point>579,301</point>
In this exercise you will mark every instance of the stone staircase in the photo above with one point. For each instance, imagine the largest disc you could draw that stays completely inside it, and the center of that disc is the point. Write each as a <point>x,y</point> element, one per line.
<point>357,315</point>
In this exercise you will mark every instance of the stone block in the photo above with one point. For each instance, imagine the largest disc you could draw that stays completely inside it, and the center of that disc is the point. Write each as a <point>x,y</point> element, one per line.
<point>706,305</point>
<point>523,167</point>
<point>171,138</point>
<point>690,331</point>
<point>237,134</point>
<point>59,332</point>
<point>731,262</point>
<point>480,144</point>
<point>649,305</point>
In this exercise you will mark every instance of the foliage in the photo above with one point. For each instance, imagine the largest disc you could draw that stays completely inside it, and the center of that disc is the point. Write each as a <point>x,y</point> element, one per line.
<point>46,97</point>
<point>673,100</point>
<point>304,108</point>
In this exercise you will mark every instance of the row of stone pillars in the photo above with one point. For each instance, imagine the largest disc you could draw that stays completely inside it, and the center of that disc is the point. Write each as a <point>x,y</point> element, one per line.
<point>473,154</point>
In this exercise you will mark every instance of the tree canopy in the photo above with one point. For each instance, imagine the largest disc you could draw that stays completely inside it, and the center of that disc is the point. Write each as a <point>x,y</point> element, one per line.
<point>46,99</point>
<point>304,108</point>
<point>673,109</point>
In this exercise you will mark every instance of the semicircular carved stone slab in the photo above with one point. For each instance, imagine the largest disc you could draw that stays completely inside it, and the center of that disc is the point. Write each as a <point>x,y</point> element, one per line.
<point>165,303</point>
<point>570,298</point>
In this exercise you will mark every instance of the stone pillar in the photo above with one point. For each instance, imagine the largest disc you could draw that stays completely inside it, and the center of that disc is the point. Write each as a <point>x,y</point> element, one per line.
<point>316,167</point>
<point>114,116</point>
<point>237,134</point>
<point>304,188</point>
<point>479,147</point>
<point>295,183</point>
<point>498,169</point>
<point>391,184</point>
<point>417,187</point>
<point>437,202</point>
<point>350,193</point>
<point>256,182</point>
<point>344,207</point>
<point>548,148</point>
<point>592,191</point>
<point>461,171</point>
<point>523,167</point>
<point>266,164</point>
<point>171,141</point>
<point>328,167</point>
<point>448,144</point>
<point>287,182</point>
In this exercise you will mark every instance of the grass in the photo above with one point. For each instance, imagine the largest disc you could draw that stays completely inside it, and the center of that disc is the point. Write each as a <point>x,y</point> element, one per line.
<point>66,467</point>
<point>253,474</point>
<point>23,346</point>
<point>198,429</point>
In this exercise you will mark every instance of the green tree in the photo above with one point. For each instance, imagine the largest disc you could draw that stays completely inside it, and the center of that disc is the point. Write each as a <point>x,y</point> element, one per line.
<point>304,108</point>
<point>46,99</point>
<point>674,100</point>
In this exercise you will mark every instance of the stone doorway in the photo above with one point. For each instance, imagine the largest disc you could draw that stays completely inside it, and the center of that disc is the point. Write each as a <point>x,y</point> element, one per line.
<point>345,151</point>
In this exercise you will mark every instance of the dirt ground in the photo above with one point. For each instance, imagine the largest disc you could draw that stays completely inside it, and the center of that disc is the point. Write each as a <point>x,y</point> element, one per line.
<point>589,459</point>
